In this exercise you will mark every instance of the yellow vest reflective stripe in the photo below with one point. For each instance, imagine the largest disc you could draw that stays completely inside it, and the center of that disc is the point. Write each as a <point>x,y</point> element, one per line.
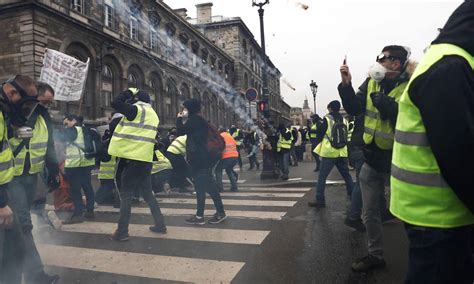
<point>325,149</point>
<point>37,148</point>
<point>419,193</point>
<point>283,143</point>
<point>178,146</point>
<point>312,135</point>
<point>234,135</point>
<point>135,140</point>
<point>374,126</point>
<point>6,154</point>
<point>107,169</point>
<point>161,164</point>
<point>75,155</point>
<point>350,128</point>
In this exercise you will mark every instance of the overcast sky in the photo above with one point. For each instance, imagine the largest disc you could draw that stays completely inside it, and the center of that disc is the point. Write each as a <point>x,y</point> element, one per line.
<point>310,44</point>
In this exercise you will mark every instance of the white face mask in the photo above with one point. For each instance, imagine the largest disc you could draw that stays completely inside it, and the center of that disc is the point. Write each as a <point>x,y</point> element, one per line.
<point>377,72</point>
<point>185,113</point>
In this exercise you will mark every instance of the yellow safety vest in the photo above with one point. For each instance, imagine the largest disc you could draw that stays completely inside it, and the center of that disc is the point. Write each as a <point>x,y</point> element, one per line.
<point>107,169</point>
<point>374,126</point>
<point>161,164</point>
<point>6,154</point>
<point>419,193</point>
<point>312,135</point>
<point>135,140</point>
<point>75,155</point>
<point>178,146</point>
<point>234,135</point>
<point>283,143</point>
<point>325,149</point>
<point>37,148</point>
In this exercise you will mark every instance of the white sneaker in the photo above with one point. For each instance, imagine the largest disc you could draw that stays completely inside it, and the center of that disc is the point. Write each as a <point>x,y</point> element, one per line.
<point>54,220</point>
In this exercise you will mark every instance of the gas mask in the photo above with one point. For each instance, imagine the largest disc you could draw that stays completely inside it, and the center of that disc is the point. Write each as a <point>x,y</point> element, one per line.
<point>377,72</point>
<point>20,112</point>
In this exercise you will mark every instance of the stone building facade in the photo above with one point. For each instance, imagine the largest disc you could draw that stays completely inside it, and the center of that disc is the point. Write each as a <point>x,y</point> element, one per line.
<point>144,44</point>
<point>129,43</point>
<point>233,36</point>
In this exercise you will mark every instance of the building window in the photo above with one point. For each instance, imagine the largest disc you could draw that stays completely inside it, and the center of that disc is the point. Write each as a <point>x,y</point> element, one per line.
<point>132,80</point>
<point>107,98</point>
<point>77,5</point>
<point>109,16</point>
<point>133,28</point>
<point>153,39</point>
<point>107,72</point>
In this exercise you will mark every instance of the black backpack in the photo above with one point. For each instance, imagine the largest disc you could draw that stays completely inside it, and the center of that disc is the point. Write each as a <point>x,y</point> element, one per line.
<point>93,147</point>
<point>338,137</point>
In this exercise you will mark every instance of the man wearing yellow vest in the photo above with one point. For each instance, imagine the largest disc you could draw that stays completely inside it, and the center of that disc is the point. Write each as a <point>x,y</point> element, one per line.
<point>14,93</point>
<point>312,130</point>
<point>29,151</point>
<point>161,170</point>
<point>227,162</point>
<point>133,142</point>
<point>283,150</point>
<point>377,99</point>
<point>332,148</point>
<point>239,138</point>
<point>176,153</point>
<point>78,169</point>
<point>432,179</point>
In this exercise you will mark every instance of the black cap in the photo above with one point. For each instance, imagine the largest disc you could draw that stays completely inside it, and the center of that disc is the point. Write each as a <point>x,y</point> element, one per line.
<point>143,96</point>
<point>334,105</point>
<point>193,105</point>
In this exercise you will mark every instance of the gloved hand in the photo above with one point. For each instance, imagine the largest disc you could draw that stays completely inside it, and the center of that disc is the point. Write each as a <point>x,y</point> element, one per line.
<point>382,102</point>
<point>53,182</point>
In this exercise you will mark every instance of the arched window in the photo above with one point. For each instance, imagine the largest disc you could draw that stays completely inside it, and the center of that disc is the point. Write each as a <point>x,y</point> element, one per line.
<point>107,85</point>
<point>132,80</point>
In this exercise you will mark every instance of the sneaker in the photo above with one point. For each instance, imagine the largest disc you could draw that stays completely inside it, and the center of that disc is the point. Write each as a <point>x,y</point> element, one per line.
<point>75,219</point>
<point>316,170</point>
<point>367,263</point>
<point>195,220</point>
<point>284,177</point>
<point>316,204</point>
<point>54,220</point>
<point>217,218</point>
<point>356,224</point>
<point>89,215</point>
<point>119,238</point>
<point>234,190</point>
<point>43,278</point>
<point>158,229</point>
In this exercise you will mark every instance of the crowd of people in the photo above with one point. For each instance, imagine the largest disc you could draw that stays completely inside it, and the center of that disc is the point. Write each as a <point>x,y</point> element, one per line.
<point>398,134</point>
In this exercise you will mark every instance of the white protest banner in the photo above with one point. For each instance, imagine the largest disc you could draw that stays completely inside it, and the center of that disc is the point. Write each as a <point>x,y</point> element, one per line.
<point>65,74</point>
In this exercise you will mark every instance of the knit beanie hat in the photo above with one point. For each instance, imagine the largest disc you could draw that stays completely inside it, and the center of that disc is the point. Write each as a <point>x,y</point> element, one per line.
<point>193,105</point>
<point>334,105</point>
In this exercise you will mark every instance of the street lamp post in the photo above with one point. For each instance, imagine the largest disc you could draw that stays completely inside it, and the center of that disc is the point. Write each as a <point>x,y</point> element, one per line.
<point>269,170</point>
<point>314,90</point>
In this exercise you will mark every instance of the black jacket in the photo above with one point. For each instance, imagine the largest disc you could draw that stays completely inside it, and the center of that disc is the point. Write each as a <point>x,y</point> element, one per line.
<point>355,104</point>
<point>444,94</point>
<point>195,128</point>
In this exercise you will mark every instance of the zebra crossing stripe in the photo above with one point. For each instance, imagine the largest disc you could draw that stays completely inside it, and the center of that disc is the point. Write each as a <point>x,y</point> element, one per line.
<point>230,202</point>
<point>274,189</point>
<point>263,215</point>
<point>217,235</point>
<point>141,265</point>
<point>261,194</point>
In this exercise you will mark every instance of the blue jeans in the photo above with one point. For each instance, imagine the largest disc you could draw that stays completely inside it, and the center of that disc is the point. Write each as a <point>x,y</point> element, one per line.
<point>227,165</point>
<point>204,182</point>
<point>105,193</point>
<point>22,190</point>
<point>326,166</point>
<point>440,255</point>
<point>356,159</point>
<point>284,163</point>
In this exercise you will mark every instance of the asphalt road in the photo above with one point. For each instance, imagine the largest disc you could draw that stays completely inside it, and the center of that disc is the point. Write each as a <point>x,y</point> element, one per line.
<point>271,236</point>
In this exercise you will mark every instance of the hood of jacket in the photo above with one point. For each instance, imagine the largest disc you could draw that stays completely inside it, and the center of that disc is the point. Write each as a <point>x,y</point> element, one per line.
<point>459,29</point>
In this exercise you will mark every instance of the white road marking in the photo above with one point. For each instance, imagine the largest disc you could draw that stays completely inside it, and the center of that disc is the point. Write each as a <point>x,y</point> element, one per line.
<point>189,233</point>
<point>261,194</point>
<point>264,215</point>
<point>230,202</point>
<point>142,265</point>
